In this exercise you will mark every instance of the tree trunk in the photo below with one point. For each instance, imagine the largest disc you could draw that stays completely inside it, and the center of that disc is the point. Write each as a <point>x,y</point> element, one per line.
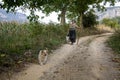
<point>80,23</point>
<point>80,19</point>
<point>62,17</point>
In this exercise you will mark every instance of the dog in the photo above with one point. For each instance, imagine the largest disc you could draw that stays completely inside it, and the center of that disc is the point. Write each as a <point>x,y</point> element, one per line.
<point>43,56</point>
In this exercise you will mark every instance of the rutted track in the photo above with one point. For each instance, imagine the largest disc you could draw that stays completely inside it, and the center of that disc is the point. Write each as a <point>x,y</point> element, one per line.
<point>89,60</point>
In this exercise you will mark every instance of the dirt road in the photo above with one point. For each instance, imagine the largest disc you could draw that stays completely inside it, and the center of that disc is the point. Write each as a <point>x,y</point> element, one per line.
<point>91,59</point>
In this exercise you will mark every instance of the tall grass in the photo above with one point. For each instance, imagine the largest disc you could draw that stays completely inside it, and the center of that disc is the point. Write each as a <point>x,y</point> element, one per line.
<point>114,41</point>
<point>13,37</point>
<point>16,39</point>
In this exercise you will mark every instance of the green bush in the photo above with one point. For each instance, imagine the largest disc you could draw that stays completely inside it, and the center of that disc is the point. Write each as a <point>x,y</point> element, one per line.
<point>89,19</point>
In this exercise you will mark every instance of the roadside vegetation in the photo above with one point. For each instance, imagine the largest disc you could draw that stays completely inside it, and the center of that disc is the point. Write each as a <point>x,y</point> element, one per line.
<point>17,39</point>
<point>114,41</point>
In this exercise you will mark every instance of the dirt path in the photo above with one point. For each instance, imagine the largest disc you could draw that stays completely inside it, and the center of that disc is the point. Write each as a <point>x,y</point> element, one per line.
<point>90,60</point>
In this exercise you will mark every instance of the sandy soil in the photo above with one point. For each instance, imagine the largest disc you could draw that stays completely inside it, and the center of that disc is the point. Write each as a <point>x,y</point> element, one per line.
<point>91,59</point>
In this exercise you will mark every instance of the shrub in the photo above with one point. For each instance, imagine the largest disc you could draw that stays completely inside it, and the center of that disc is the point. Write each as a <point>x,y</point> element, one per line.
<point>113,23</point>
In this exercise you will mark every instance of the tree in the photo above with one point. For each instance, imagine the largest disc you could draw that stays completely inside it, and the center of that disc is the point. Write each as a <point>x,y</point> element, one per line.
<point>77,7</point>
<point>32,5</point>
<point>89,19</point>
<point>57,6</point>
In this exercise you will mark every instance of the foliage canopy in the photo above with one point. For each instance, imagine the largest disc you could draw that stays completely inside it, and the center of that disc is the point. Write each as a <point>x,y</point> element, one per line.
<point>74,8</point>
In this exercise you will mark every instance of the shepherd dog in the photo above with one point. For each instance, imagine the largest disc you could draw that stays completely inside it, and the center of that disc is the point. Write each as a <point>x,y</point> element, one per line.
<point>43,56</point>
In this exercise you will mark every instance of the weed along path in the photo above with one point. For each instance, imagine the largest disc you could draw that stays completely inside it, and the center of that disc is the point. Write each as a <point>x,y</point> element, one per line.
<point>91,59</point>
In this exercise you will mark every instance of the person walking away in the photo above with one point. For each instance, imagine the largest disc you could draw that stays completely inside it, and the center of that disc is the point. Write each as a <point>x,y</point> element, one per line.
<point>72,31</point>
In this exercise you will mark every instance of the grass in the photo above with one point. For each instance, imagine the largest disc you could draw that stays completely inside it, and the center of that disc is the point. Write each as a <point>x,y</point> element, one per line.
<point>114,41</point>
